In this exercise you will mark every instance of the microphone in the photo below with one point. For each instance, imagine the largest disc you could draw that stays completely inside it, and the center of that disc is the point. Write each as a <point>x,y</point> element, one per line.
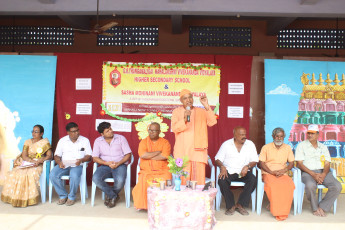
<point>188,117</point>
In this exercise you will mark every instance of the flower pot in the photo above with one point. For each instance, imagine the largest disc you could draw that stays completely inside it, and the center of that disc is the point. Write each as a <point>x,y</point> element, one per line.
<point>177,183</point>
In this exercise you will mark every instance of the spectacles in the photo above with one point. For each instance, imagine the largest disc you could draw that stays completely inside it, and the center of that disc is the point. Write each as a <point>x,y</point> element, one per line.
<point>74,131</point>
<point>154,131</point>
<point>33,131</point>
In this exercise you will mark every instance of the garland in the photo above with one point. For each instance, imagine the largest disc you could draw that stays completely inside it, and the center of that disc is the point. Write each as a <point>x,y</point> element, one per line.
<point>145,118</point>
<point>155,65</point>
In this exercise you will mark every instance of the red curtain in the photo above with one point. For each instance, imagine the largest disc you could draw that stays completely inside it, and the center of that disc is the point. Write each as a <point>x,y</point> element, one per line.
<point>234,69</point>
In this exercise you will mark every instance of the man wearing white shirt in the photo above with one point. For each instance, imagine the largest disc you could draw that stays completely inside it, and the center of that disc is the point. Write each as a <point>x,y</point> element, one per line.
<point>71,151</point>
<point>235,159</point>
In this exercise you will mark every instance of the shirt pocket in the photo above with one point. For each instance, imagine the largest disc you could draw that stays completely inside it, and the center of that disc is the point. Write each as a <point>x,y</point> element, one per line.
<point>81,152</point>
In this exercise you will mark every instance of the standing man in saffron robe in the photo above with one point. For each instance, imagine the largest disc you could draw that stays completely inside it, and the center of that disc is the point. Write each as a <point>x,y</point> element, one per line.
<point>189,124</point>
<point>153,152</point>
<point>279,186</point>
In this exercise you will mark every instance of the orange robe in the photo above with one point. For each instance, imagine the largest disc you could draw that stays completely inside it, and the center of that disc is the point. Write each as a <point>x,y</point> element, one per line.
<point>150,169</point>
<point>279,190</point>
<point>187,143</point>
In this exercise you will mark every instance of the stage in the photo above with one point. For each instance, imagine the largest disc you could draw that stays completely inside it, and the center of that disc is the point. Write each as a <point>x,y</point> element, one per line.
<point>52,216</point>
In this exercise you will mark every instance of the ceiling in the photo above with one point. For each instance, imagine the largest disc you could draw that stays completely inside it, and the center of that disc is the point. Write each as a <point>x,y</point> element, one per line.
<point>279,13</point>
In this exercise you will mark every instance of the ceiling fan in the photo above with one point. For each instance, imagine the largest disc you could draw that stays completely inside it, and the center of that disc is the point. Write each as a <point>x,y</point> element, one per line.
<point>97,29</point>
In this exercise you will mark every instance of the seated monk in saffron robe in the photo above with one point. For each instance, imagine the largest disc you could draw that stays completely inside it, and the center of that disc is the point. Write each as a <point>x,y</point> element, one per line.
<point>279,187</point>
<point>153,152</point>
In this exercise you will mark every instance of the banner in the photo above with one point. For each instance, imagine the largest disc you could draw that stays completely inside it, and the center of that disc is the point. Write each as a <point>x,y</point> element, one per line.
<point>300,93</point>
<point>140,88</point>
<point>27,87</point>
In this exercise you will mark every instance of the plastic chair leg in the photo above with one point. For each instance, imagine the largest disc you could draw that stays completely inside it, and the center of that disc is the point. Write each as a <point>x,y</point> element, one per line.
<point>82,192</point>
<point>260,196</point>
<point>128,196</point>
<point>253,200</point>
<point>43,188</point>
<point>300,197</point>
<point>295,201</point>
<point>93,194</point>
<point>128,190</point>
<point>218,199</point>
<point>50,191</point>
<point>335,207</point>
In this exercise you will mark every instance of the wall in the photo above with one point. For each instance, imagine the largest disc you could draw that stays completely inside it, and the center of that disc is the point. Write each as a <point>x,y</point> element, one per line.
<point>178,44</point>
<point>175,43</point>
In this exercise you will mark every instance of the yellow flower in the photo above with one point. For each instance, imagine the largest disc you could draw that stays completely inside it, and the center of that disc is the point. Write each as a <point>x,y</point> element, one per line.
<point>322,159</point>
<point>39,152</point>
<point>142,127</point>
<point>68,116</point>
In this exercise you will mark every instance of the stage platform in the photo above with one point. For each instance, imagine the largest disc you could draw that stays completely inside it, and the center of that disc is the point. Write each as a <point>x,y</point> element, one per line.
<point>84,217</point>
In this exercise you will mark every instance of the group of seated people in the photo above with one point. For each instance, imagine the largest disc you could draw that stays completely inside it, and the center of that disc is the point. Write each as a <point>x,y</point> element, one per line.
<point>111,151</point>
<point>236,158</point>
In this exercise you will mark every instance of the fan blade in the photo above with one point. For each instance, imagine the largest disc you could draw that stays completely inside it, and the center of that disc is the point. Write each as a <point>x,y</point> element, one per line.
<point>82,30</point>
<point>106,34</point>
<point>134,52</point>
<point>108,26</point>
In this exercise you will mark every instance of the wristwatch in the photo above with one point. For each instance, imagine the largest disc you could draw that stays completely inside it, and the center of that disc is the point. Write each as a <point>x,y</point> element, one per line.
<point>248,166</point>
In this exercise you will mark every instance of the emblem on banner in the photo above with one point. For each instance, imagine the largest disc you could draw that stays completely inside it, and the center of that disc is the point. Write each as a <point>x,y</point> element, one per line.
<point>115,78</point>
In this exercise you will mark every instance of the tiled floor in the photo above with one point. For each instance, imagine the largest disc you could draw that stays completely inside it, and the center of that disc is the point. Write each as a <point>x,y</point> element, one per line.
<point>84,217</point>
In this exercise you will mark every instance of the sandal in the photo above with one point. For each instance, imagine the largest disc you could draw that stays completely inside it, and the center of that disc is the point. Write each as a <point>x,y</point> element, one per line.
<point>242,211</point>
<point>70,202</point>
<point>230,211</point>
<point>62,201</point>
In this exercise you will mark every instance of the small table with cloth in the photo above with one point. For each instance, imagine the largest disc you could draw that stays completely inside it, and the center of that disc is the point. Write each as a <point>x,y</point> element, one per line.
<point>185,209</point>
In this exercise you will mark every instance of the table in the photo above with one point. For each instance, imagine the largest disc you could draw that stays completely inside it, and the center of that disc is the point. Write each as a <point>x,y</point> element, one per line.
<point>185,209</point>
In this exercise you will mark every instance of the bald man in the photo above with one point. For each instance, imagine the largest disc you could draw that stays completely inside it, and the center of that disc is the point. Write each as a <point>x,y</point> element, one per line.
<point>235,159</point>
<point>189,124</point>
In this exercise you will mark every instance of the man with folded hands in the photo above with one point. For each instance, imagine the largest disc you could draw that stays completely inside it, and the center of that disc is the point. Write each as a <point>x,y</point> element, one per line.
<point>314,160</point>
<point>153,152</point>
<point>276,159</point>
<point>71,151</point>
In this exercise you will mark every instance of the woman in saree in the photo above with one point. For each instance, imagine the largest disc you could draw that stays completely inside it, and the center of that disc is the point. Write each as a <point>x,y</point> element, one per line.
<point>21,186</point>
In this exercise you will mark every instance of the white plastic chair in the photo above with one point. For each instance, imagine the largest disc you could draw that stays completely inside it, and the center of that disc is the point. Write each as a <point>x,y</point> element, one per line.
<point>237,184</point>
<point>82,185</point>
<point>138,170</point>
<point>212,171</point>
<point>43,179</point>
<point>260,191</point>
<point>319,188</point>
<point>127,186</point>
